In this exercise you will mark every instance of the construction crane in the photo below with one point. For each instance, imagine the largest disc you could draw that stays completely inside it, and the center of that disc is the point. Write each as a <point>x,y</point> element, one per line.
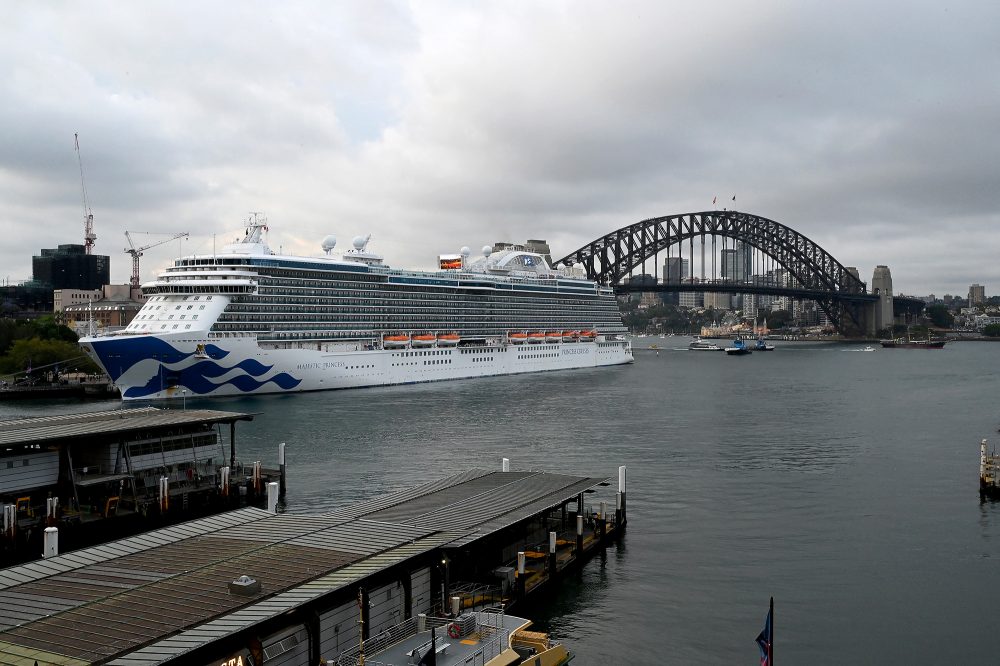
<point>88,217</point>
<point>136,252</point>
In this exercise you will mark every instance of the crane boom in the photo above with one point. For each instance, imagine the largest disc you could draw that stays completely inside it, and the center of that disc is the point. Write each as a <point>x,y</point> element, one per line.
<point>88,217</point>
<point>136,252</point>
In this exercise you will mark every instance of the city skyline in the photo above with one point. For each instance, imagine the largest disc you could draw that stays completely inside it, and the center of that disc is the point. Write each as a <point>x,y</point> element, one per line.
<point>439,125</point>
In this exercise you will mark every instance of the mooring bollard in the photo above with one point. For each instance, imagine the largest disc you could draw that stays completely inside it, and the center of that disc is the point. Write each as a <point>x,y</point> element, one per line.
<point>281,468</point>
<point>272,497</point>
<point>456,606</point>
<point>51,545</point>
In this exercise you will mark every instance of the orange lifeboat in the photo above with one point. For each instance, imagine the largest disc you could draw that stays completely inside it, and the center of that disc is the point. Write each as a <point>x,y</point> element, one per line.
<point>535,337</point>
<point>553,336</point>
<point>570,336</point>
<point>448,339</point>
<point>588,335</point>
<point>423,340</point>
<point>394,341</point>
<point>517,338</point>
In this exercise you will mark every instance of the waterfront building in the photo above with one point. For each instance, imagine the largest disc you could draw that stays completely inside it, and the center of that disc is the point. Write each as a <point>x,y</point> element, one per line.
<point>977,294</point>
<point>70,267</point>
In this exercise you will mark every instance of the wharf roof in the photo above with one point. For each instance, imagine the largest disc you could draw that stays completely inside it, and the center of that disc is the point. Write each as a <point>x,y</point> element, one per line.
<point>49,429</point>
<point>156,596</point>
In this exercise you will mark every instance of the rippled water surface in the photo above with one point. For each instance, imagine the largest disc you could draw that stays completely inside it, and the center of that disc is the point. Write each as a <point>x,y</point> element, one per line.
<point>842,483</point>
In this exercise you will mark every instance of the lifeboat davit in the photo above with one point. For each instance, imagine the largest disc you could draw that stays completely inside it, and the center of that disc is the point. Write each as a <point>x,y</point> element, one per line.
<point>570,336</point>
<point>588,336</point>
<point>535,337</point>
<point>448,339</point>
<point>553,336</point>
<point>517,338</point>
<point>394,341</point>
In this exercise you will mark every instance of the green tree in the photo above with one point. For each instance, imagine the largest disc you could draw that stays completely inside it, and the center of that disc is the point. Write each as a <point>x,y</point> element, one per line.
<point>940,316</point>
<point>778,319</point>
<point>36,353</point>
<point>992,330</point>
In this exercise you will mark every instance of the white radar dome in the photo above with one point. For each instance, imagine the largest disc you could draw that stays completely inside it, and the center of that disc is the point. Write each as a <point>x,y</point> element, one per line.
<point>329,243</point>
<point>487,250</point>
<point>359,242</point>
<point>465,251</point>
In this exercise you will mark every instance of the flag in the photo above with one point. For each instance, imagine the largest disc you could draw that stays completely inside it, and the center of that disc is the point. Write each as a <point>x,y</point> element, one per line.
<point>765,639</point>
<point>713,200</point>
<point>734,197</point>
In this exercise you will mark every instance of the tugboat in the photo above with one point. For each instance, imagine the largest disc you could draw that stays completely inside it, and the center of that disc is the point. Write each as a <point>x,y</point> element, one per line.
<point>739,348</point>
<point>762,345</point>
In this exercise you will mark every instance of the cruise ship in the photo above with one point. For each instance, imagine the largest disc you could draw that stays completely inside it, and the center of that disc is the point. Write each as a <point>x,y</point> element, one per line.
<point>247,320</point>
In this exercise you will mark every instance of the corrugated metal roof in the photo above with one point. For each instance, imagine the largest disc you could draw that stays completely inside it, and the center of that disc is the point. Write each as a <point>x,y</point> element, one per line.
<point>109,601</point>
<point>69,426</point>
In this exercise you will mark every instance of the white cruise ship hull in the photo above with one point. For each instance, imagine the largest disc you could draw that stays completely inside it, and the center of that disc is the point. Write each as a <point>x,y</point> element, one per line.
<point>156,367</point>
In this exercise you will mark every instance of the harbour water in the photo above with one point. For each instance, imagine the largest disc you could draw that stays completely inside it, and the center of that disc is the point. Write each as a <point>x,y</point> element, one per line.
<point>843,483</point>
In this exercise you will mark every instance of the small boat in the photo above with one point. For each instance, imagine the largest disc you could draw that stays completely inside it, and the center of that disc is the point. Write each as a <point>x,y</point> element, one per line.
<point>489,636</point>
<point>570,336</point>
<point>423,340</point>
<point>700,345</point>
<point>739,348</point>
<point>448,339</point>
<point>868,348</point>
<point>762,345</point>
<point>395,341</point>
<point>535,337</point>
<point>588,336</point>
<point>517,338</point>
<point>553,336</point>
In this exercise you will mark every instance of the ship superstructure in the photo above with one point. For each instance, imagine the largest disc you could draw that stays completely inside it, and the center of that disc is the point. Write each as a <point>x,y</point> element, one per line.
<point>247,320</point>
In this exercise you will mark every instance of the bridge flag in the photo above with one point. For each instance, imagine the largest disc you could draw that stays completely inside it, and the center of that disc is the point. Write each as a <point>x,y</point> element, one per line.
<point>734,197</point>
<point>765,639</point>
<point>714,198</point>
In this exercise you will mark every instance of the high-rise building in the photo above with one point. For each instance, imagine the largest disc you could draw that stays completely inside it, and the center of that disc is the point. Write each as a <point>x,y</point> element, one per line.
<point>675,271</point>
<point>744,261</point>
<point>977,294</point>
<point>70,267</point>
<point>728,265</point>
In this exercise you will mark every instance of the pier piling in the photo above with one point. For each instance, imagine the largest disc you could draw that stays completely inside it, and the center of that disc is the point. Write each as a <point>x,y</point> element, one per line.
<point>272,497</point>
<point>579,535</point>
<point>281,468</point>
<point>621,491</point>
<point>51,545</point>
<point>552,555</point>
<point>520,574</point>
<point>505,464</point>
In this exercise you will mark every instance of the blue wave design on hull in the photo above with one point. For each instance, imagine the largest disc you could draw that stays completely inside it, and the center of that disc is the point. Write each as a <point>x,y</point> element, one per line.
<point>118,357</point>
<point>191,379</point>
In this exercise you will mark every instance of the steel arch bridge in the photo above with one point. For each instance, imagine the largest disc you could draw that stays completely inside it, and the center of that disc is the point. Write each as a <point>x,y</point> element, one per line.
<point>813,272</point>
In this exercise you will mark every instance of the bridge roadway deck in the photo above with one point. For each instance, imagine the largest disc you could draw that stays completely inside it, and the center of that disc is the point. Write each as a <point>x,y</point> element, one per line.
<point>163,595</point>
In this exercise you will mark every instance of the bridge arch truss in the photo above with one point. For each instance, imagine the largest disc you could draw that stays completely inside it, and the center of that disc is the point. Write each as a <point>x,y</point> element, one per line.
<point>813,273</point>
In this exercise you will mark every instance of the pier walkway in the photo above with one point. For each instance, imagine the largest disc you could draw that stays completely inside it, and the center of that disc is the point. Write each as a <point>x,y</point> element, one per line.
<point>325,581</point>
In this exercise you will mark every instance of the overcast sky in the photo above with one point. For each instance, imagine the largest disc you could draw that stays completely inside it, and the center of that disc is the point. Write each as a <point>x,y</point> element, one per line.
<point>870,127</point>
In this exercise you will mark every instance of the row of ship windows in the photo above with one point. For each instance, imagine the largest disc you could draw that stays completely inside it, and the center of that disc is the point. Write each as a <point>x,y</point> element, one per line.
<point>400,299</point>
<point>174,299</point>
<point>525,356</point>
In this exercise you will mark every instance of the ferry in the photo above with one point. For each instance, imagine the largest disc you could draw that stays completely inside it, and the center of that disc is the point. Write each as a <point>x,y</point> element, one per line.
<point>247,320</point>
